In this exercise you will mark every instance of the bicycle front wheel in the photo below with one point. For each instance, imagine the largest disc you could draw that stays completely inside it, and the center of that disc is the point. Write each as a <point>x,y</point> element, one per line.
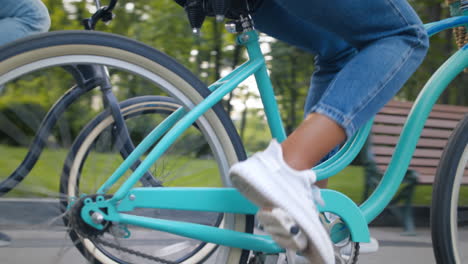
<point>449,213</point>
<point>159,73</point>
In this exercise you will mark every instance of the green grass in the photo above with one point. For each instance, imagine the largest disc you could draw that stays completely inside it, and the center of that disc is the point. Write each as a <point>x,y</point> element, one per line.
<point>351,182</point>
<point>44,178</point>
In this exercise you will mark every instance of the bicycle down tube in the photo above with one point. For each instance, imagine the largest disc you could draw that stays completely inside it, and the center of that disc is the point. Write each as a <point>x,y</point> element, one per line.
<point>229,83</point>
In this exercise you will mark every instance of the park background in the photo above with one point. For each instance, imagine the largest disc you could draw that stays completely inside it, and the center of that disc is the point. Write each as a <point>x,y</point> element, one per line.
<point>162,24</point>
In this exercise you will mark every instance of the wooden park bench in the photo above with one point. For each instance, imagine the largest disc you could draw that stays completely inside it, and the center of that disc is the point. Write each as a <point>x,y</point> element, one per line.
<point>376,155</point>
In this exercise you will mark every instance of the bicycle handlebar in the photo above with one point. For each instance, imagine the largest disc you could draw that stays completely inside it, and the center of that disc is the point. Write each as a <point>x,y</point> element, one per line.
<point>197,10</point>
<point>103,13</point>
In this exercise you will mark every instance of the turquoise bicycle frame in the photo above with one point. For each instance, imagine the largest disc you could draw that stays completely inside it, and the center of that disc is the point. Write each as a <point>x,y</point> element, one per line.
<point>229,200</point>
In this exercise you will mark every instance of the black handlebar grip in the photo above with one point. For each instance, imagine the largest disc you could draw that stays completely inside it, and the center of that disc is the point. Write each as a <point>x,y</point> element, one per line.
<point>196,14</point>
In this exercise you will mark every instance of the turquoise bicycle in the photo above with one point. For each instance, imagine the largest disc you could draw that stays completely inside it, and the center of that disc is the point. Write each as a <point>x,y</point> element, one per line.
<point>196,216</point>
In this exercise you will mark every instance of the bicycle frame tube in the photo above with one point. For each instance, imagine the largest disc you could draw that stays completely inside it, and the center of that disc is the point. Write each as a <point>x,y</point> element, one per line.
<point>354,216</point>
<point>436,27</point>
<point>147,142</point>
<point>411,132</point>
<point>350,150</point>
<point>255,65</point>
<point>213,200</point>
<point>250,40</point>
<point>329,168</point>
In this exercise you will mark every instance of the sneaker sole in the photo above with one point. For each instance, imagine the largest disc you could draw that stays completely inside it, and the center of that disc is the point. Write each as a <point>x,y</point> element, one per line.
<point>251,189</point>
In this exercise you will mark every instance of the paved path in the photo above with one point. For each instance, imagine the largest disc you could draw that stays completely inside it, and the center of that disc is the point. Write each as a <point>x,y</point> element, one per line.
<point>398,249</point>
<point>40,242</point>
<point>35,246</point>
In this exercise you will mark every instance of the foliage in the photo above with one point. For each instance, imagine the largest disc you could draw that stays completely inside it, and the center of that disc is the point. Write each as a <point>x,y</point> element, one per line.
<point>163,25</point>
<point>441,47</point>
<point>291,69</point>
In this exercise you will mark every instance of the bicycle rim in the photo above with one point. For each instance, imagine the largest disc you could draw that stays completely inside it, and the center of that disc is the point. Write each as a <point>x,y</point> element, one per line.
<point>449,214</point>
<point>120,53</point>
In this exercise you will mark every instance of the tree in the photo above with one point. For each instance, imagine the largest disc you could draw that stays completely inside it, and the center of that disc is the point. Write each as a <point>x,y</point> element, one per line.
<point>441,47</point>
<point>291,69</point>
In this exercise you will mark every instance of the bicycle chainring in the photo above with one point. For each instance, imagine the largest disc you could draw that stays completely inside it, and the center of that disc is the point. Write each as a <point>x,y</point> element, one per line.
<point>346,251</point>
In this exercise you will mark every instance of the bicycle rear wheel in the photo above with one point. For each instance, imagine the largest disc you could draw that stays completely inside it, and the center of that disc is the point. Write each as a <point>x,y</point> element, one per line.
<point>189,162</point>
<point>449,213</point>
<point>156,70</point>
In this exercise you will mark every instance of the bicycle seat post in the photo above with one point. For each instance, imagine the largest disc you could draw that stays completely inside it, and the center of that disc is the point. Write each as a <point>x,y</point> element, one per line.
<point>241,25</point>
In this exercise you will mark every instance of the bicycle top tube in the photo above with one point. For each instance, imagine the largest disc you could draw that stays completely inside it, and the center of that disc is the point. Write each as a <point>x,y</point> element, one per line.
<point>438,26</point>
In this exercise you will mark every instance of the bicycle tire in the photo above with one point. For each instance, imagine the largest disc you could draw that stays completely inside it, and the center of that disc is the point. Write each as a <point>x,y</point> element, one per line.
<point>80,47</point>
<point>131,109</point>
<point>445,196</point>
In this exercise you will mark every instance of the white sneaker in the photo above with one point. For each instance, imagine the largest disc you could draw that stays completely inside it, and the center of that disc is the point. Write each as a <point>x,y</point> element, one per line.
<point>283,229</point>
<point>269,182</point>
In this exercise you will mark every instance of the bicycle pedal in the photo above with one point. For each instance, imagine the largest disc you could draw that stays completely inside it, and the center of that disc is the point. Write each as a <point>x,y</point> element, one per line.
<point>282,228</point>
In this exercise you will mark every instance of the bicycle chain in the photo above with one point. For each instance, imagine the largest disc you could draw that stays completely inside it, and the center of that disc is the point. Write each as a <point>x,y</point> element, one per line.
<point>164,261</point>
<point>134,252</point>
<point>356,255</point>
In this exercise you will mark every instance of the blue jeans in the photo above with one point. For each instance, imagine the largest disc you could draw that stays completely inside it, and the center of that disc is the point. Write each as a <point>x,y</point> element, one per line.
<point>20,18</point>
<point>365,51</point>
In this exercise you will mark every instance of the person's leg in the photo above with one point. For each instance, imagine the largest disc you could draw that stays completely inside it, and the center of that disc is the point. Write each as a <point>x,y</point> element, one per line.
<point>391,42</point>
<point>20,18</point>
<point>302,156</point>
<point>332,51</point>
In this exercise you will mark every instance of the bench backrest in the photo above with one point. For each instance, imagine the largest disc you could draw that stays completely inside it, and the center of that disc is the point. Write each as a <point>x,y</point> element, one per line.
<point>388,125</point>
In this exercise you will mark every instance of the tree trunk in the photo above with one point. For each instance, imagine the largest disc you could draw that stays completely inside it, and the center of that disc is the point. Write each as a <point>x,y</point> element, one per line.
<point>218,43</point>
<point>235,61</point>
<point>244,117</point>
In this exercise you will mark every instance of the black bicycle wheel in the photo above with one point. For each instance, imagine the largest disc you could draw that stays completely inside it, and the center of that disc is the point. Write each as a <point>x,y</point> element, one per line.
<point>449,212</point>
<point>155,70</point>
